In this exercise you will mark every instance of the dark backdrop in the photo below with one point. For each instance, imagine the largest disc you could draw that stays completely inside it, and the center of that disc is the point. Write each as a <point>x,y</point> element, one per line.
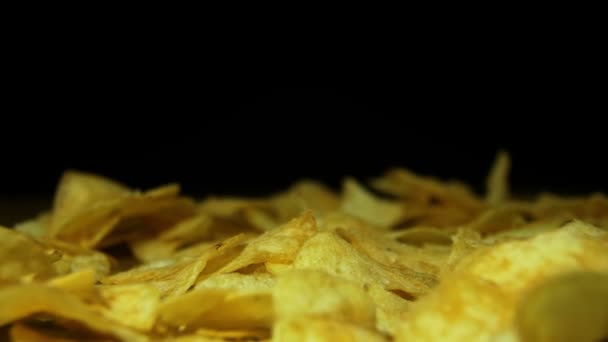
<point>248,139</point>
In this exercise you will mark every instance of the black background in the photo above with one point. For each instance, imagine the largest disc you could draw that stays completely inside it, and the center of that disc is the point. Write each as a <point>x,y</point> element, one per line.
<point>242,137</point>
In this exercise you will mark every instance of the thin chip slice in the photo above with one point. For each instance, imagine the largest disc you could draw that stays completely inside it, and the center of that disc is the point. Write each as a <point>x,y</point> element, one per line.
<point>279,245</point>
<point>462,308</point>
<point>359,202</point>
<point>22,256</point>
<point>306,329</point>
<point>22,301</point>
<point>174,277</point>
<point>133,305</point>
<point>31,333</point>
<point>163,245</point>
<point>570,307</point>
<point>314,293</point>
<point>497,183</point>
<point>516,265</point>
<point>330,253</point>
<point>219,309</point>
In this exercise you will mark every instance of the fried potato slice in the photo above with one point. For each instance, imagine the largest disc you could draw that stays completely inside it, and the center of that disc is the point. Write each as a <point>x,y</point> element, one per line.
<point>88,208</point>
<point>306,329</point>
<point>314,293</point>
<point>279,245</point>
<point>462,308</point>
<point>22,256</point>
<point>569,307</point>
<point>328,252</point>
<point>516,265</point>
<point>359,202</point>
<point>21,301</point>
<point>219,309</point>
<point>497,183</point>
<point>174,277</point>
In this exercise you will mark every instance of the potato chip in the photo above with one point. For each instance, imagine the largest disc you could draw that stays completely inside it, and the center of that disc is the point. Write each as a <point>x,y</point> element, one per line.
<point>497,184</point>
<point>88,208</point>
<point>390,252</point>
<point>516,265</point>
<point>327,251</point>
<point>570,307</point>
<point>218,308</point>
<point>359,202</point>
<point>405,184</point>
<point>391,309</point>
<point>21,301</point>
<point>422,260</point>
<point>22,256</point>
<point>133,305</point>
<point>32,333</point>
<point>164,244</point>
<point>279,245</point>
<point>462,308</point>
<point>322,330</point>
<point>238,281</point>
<point>314,293</point>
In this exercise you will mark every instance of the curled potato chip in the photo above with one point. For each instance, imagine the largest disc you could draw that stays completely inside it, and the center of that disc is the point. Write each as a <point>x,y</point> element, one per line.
<point>328,252</point>
<point>497,184</point>
<point>218,308</point>
<point>238,281</point>
<point>431,261</point>
<point>462,308</point>
<point>569,307</point>
<point>31,333</point>
<point>313,293</point>
<point>21,301</point>
<point>89,208</point>
<point>359,202</point>
<point>426,190</point>
<point>279,245</point>
<point>322,330</point>
<point>22,256</point>
<point>167,242</point>
<point>516,265</point>
<point>133,305</point>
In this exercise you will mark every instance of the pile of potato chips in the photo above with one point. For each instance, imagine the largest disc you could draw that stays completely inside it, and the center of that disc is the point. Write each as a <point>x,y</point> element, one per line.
<point>401,258</point>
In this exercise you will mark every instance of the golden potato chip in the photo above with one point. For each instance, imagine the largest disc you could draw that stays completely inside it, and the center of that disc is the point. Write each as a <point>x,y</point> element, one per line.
<point>22,256</point>
<point>314,293</point>
<point>327,251</point>
<point>164,244</point>
<point>41,333</point>
<point>75,258</point>
<point>422,235</point>
<point>36,228</point>
<point>405,184</point>
<point>305,195</point>
<point>391,309</point>
<point>21,301</point>
<point>173,277</point>
<point>133,305</point>
<point>497,183</point>
<point>462,308</point>
<point>359,202</point>
<point>88,208</point>
<point>516,265</point>
<point>238,281</point>
<point>392,253</point>
<point>219,309</point>
<point>80,283</point>
<point>322,330</point>
<point>429,261</point>
<point>569,307</point>
<point>279,245</point>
